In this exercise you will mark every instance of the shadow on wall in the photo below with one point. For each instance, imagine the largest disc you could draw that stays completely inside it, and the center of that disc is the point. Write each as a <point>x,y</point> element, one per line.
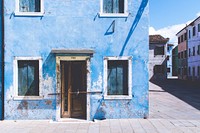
<point>186,91</point>
<point>100,113</point>
<point>160,73</point>
<point>134,25</point>
<point>48,91</point>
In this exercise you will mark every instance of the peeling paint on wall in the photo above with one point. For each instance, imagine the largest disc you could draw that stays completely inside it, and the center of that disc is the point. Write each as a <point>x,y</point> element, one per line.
<point>77,25</point>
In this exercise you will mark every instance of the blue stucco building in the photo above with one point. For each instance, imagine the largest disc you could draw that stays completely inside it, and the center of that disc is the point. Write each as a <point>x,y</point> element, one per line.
<point>76,59</point>
<point>1,61</point>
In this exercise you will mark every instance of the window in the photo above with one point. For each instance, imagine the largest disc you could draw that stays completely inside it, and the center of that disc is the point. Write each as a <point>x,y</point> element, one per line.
<point>27,75</point>
<point>193,51</point>
<point>158,69</point>
<point>159,50</point>
<point>179,40</point>
<point>189,54</point>
<point>189,71</point>
<point>198,51</point>
<point>185,38</point>
<point>193,71</point>
<point>198,27</point>
<point>168,57</point>
<point>185,54</point>
<point>29,7</point>
<point>189,34</point>
<point>168,70</point>
<point>117,77</point>
<point>179,55</point>
<point>194,31</point>
<point>114,8</point>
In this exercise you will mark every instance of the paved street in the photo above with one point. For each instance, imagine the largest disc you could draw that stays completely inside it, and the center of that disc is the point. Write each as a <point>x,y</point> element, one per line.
<point>174,108</point>
<point>174,99</point>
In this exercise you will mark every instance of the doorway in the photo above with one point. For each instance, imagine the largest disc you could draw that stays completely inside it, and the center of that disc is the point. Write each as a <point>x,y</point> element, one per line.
<point>73,89</point>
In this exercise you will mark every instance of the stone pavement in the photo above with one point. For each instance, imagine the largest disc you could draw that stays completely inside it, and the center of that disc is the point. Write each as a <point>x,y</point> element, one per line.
<point>174,108</point>
<point>174,99</point>
<point>105,126</point>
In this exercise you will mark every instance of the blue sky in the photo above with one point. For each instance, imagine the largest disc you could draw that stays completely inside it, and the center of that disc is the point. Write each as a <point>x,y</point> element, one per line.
<point>167,17</point>
<point>170,12</point>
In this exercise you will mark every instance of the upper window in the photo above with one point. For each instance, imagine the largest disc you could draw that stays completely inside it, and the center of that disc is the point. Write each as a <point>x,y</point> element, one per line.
<point>198,51</point>
<point>159,50</point>
<point>189,34</point>
<point>198,27</point>
<point>118,77</point>
<point>114,8</point>
<point>194,31</point>
<point>29,7</point>
<point>27,75</point>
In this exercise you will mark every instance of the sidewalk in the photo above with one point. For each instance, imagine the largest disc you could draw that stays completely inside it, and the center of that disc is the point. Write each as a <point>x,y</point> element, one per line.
<point>105,126</point>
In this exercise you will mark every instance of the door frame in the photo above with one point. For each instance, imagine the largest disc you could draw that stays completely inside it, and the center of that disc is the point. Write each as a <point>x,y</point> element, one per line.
<point>58,83</point>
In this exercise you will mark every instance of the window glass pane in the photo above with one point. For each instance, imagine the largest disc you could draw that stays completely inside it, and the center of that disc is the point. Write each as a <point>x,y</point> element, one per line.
<point>28,78</point>
<point>29,5</point>
<point>107,6</point>
<point>117,77</point>
<point>113,6</point>
<point>159,50</point>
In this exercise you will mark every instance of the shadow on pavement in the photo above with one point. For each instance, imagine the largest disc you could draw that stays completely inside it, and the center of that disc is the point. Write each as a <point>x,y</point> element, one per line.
<point>187,91</point>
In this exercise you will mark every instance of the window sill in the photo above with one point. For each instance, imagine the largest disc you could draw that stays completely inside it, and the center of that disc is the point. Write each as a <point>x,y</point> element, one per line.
<point>118,97</point>
<point>28,97</point>
<point>34,14</point>
<point>114,15</point>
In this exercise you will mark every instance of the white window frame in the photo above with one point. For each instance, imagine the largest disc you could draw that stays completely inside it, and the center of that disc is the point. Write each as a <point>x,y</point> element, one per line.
<point>15,78</point>
<point>18,13</point>
<point>125,14</point>
<point>129,96</point>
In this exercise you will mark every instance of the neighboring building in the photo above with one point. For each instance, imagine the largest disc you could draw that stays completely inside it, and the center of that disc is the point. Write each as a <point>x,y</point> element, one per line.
<point>169,60</point>
<point>194,49</point>
<point>157,57</point>
<point>175,61</point>
<point>77,59</point>
<point>182,54</point>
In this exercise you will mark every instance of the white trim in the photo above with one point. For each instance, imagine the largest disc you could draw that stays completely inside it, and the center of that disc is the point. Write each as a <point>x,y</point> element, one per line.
<point>28,97</point>
<point>58,83</point>
<point>125,14</point>
<point>18,13</point>
<point>15,78</point>
<point>113,14</point>
<point>129,96</point>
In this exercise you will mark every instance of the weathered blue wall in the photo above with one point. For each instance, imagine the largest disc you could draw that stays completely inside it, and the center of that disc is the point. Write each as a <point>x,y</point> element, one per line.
<point>76,24</point>
<point>1,60</point>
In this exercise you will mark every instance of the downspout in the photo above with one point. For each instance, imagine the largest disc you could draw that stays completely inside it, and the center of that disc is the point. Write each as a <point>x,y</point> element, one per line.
<point>2,49</point>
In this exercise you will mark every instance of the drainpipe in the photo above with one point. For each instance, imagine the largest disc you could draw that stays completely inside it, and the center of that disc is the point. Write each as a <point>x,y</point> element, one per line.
<point>2,59</point>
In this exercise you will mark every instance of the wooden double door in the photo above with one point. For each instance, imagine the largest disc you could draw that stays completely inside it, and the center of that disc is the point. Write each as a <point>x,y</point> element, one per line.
<point>73,89</point>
